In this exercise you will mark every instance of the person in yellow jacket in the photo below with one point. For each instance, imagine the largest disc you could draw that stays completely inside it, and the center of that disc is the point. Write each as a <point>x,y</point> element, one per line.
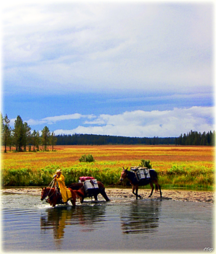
<point>65,192</point>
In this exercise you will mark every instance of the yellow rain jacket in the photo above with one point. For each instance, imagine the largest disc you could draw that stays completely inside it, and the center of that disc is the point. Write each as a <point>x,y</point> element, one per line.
<point>65,192</point>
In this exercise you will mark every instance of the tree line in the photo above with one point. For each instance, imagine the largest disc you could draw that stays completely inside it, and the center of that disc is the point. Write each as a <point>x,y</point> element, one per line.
<point>93,139</point>
<point>22,137</point>
<point>198,139</point>
<point>192,138</point>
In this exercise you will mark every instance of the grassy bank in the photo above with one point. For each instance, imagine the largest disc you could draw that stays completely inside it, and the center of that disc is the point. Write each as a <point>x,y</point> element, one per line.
<point>177,167</point>
<point>177,176</point>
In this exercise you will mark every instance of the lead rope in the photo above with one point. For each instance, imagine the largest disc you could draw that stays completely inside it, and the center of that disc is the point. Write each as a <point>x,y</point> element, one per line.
<point>51,186</point>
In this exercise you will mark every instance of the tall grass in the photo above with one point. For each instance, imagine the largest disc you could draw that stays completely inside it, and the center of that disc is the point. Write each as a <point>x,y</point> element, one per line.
<point>192,177</point>
<point>176,168</point>
<point>176,176</point>
<point>42,177</point>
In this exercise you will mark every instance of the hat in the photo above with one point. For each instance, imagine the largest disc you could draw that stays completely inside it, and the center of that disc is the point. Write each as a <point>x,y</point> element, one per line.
<point>58,170</point>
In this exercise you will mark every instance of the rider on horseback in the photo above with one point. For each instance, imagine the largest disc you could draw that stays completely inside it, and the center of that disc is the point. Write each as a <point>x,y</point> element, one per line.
<point>60,183</point>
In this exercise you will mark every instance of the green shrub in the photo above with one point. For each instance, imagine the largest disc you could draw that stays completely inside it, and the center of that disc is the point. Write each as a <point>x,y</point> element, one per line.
<point>145,163</point>
<point>86,158</point>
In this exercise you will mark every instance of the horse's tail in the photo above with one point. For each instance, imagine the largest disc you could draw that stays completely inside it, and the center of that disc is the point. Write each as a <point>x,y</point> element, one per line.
<point>100,185</point>
<point>157,186</point>
<point>154,177</point>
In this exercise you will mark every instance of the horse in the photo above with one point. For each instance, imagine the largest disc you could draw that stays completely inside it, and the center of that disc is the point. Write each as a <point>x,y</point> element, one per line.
<point>131,176</point>
<point>54,196</point>
<point>81,192</point>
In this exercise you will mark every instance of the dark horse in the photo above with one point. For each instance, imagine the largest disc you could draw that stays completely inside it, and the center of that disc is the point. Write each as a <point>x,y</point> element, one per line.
<point>54,196</point>
<point>81,193</point>
<point>136,183</point>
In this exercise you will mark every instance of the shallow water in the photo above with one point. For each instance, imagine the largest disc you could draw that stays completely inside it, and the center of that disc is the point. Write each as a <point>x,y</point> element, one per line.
<point>122,224</point>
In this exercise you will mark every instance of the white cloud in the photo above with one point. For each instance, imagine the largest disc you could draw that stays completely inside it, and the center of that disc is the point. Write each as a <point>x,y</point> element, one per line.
<point>97,47</point>
<point>54,119</point>
<point>138,123</point>
<point>169,123</point>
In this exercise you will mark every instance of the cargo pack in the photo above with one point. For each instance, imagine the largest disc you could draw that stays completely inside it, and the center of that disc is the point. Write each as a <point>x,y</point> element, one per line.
<point>141,172</point>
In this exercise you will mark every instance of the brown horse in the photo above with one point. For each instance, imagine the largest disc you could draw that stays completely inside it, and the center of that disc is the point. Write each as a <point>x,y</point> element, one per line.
<point>54,196</point>
<point>82,193</point>
<point>136,183</point>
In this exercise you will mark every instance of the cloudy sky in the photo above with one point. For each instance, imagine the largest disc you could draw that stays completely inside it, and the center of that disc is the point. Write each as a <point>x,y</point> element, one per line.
<point>126,68</point>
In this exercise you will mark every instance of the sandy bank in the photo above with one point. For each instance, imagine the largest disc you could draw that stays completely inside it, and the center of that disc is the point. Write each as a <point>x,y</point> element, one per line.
<point>182,195</point>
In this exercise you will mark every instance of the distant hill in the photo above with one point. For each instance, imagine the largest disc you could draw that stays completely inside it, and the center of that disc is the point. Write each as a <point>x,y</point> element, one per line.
<point>91,139</point>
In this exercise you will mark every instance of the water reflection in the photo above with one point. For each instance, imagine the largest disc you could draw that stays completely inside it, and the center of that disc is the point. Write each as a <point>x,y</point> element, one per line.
<point>87,217</point>
<point>140,216</point>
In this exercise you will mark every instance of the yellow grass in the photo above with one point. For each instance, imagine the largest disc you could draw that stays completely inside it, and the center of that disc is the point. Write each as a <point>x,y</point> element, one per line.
<point>113,157</point>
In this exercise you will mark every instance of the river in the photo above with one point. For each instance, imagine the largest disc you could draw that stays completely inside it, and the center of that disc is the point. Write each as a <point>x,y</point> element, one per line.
<point>120,225</point>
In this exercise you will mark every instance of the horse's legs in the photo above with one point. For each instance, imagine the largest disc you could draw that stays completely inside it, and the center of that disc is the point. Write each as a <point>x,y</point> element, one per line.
<point>133,189</point>
<point>152,186</point>
<point>136,194</point>
<point>103,193</point>
<point>73,203</point>
<point>54,203</point>
<point>80,194</point>
<point>73,199</point>
<point>160,190</point>
<point>158,187</point>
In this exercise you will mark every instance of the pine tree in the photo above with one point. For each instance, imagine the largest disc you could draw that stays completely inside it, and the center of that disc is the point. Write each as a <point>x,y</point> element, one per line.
<point>53,140</point>
<point>18,134</point>
<point>37,140</point>
<point>45,137</point>
<point>27,135</point>
<point>6,132</point>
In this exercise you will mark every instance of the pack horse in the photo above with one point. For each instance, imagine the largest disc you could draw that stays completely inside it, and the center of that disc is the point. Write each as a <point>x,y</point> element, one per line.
<point>88,186</point>
<point>139,176</point>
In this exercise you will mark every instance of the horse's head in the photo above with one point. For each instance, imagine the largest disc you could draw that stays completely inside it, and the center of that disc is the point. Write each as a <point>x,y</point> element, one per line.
<point>44,193</point>
<point>123,174</point>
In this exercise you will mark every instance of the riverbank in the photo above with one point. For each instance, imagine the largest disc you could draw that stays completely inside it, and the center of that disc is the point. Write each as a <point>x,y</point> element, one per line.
<point>176,195</point>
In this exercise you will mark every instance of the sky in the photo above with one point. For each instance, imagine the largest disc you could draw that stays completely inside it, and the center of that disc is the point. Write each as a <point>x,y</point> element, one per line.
<point>123,68</point>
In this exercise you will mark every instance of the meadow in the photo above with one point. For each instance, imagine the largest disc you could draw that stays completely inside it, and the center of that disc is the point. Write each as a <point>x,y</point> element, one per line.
<point>190,167</point>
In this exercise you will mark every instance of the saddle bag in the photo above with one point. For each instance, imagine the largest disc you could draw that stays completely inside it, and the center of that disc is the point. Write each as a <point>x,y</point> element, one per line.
<point>91,186</point>
<point>141,172</point>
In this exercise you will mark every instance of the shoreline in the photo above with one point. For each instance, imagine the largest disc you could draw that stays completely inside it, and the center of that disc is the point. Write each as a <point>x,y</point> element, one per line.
<point>175,195</point>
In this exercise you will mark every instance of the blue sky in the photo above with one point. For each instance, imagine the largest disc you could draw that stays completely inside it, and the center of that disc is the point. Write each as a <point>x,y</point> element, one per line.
<point>115,68</point>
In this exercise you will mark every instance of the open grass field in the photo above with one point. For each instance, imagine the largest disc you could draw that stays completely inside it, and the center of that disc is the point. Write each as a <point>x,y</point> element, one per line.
<point>192,167</point>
